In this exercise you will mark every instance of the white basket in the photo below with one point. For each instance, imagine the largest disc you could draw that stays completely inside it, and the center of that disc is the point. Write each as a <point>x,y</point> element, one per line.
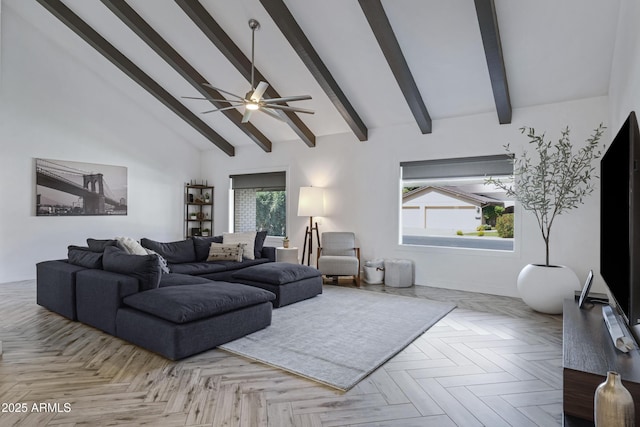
<point>374,271</point>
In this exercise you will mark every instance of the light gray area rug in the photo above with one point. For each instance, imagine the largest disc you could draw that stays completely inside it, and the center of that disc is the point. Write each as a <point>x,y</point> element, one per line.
<point>340,336</point>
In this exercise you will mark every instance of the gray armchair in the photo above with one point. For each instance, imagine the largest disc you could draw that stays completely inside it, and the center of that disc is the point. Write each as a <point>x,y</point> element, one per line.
<point>339,256</point>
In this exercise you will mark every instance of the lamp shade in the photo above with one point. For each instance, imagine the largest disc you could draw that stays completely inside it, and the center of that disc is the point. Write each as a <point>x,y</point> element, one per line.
<point>311,201</point>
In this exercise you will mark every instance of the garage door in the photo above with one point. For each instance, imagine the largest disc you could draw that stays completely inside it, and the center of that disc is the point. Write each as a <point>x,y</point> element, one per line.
<point>451,217</point>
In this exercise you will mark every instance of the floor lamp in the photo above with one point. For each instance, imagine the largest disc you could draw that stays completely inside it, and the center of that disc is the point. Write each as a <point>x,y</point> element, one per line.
<point>310,203</point>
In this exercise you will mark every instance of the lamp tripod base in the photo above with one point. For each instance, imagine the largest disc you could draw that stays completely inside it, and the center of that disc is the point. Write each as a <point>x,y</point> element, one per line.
<point>308,240</point>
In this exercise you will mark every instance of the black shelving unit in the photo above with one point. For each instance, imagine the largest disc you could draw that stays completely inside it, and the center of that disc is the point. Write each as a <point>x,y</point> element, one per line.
<point>198,210</point>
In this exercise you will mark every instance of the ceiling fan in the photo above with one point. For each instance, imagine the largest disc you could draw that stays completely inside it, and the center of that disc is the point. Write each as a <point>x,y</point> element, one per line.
<point>253,100</point>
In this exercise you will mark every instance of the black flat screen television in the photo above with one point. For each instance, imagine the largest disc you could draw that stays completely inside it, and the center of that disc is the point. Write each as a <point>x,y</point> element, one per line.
<point>620,220</point>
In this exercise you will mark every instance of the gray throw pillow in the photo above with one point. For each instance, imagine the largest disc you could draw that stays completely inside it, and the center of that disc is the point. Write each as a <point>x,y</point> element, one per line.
<point>259,243</point>
<point>98,245</point>
<point>84,257</point>
<point>174,252</point>
<point>145,268</point>
<point>202,245</point>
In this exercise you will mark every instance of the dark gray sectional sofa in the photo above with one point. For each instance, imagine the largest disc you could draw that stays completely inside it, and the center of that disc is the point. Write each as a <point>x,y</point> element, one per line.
<point>198,305</point>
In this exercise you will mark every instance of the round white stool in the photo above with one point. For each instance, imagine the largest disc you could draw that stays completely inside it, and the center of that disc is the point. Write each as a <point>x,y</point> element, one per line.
<point>398,273</point>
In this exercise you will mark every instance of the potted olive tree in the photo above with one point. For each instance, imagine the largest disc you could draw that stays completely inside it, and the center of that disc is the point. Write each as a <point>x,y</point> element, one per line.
<point>553,181</point>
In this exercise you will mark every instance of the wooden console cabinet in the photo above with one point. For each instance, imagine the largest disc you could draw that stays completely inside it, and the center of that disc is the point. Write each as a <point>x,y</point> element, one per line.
<point>588,353</point>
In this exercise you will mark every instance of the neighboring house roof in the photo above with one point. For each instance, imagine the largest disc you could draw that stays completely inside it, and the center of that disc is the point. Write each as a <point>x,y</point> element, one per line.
<point>455,192</point>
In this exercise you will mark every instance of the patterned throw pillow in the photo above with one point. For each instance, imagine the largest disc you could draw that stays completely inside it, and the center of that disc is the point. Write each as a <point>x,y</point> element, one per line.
<point>222,252</point>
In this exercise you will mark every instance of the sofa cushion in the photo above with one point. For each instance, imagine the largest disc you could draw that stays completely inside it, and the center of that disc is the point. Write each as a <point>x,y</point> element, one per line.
<point>246,238</point>
<point>276,273</point>
<point>84,257</point>
<point>173,252</point>
<point>202,244</point>
<point>197,268</point>
<point>145,268</point>
<point>175,279</point>
<point>98,245</point>
<point>222,252</point>
<point>259,243</point>
<point>182,304</point>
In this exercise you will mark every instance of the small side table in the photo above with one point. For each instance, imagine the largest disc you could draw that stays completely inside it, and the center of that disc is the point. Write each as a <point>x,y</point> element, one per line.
<point>289,255</point>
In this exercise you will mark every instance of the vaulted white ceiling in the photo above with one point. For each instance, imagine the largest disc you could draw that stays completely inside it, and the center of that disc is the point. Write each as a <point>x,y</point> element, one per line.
<point>553,51</point>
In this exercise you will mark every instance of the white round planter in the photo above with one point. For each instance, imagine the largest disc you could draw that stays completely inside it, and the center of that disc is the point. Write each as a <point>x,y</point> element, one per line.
<point>544,288</point>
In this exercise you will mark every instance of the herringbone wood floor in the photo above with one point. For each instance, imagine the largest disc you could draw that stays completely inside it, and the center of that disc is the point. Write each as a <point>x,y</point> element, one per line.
<point>491,362</point>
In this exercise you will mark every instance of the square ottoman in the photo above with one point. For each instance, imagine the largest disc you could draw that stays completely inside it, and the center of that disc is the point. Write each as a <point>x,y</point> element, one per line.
<point>290,282</point>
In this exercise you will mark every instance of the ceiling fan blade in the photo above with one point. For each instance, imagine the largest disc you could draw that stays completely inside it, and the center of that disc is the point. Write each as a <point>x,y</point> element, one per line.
<point>223,91</point>
<point>287,108</point>
<point>257,94</point>
<point>271,113</point>
<point>219,109</point>
<point>247,115</point>
<point>287,99</point>
<point>213,99</point>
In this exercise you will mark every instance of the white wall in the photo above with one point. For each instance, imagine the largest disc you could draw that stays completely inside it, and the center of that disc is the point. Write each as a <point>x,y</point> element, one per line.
<point>363,192</point>
<point>53,106</point>
<point>624,87</point>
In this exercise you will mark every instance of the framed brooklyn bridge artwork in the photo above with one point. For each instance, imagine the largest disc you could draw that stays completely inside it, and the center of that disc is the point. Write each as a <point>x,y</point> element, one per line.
<point>65,188</point>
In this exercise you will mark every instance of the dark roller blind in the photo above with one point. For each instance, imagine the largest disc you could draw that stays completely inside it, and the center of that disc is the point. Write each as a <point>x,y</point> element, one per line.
<point>498,165</point>
<point>272,181</point>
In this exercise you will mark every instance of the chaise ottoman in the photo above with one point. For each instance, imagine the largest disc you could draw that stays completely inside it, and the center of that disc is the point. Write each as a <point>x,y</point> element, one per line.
<point>289,282</point>
<point>179,321</point>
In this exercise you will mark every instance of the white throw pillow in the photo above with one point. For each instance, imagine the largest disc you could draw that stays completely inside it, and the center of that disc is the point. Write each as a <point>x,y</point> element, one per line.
<point>131,246</point>
<point>248,238</point>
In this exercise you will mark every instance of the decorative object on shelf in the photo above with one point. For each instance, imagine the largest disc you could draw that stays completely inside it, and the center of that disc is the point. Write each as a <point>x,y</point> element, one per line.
<point>205,232</point>
<point>285,242</point>
<point>556,182</point>
<point>193,216</point>
<point>207,197</point>
<point>310,203</point>
<point>613,404</point>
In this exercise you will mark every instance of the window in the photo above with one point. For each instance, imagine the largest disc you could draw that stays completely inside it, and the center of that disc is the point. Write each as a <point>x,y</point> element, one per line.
<point>447,203</point>
<point>260,203</point>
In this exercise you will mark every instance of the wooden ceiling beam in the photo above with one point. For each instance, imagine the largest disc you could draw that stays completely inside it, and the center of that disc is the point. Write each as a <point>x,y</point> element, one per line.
<point>301,44</point>
<point>205,22</point>
<point>381,27</point>
<point>99,43</point>
<point>159,45</point>
<point>488,20</point>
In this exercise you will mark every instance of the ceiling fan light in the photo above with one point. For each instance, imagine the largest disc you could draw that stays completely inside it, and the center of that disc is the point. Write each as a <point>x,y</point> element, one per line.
<point>251,106</point>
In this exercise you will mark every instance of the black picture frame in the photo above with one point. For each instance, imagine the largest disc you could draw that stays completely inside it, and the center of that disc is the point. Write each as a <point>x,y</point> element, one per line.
<point>585,290</point>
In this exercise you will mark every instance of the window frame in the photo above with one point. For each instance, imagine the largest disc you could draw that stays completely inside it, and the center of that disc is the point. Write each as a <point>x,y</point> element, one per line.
<point>453,250</point>
<point>231,198</point>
